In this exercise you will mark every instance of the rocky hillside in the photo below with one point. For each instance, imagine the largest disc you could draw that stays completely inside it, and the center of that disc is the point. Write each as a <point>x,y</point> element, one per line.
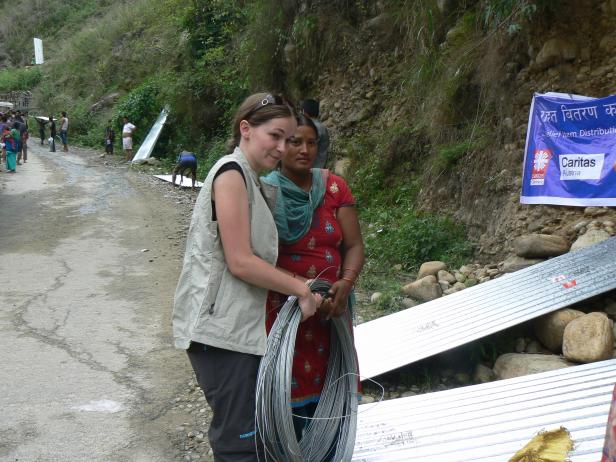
<point>565,51</point>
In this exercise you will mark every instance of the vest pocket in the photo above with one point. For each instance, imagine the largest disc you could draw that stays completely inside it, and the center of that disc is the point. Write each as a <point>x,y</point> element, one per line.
<point>211,315</point>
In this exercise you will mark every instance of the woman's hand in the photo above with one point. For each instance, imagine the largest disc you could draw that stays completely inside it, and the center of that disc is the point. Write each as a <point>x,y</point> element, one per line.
<point>309,303</point>
<point>336,304</point>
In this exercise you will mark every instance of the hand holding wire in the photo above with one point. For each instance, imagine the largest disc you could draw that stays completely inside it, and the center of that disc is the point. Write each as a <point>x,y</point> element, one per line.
<point>309,304</point>
<point>335,303</point>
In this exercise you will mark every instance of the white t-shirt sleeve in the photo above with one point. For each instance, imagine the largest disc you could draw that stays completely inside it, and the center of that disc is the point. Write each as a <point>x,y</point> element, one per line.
<point>128,128</point>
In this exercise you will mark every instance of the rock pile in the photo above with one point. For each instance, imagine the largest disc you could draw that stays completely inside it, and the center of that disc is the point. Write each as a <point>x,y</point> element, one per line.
<point>435,279</point>
<point>570,336</point>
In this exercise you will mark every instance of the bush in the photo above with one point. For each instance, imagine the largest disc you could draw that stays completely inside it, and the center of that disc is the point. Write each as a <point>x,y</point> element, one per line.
<point>141,106</point>
<point>20,79</point>
<point>389,164</point>
<point>498,13</point>
<point>410,238</point>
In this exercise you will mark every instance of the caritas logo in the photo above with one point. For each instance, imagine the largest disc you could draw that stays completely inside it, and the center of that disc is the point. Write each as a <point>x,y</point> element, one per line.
<point>541,162</point>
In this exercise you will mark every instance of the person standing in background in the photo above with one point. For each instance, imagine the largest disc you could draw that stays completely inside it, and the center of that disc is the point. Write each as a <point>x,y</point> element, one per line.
<point>41,124</point>
<point>52,134</point>
<point>109,139</point>
<point>64,131</point>
<point>127,139</point>
<point>26,137</point>
<point>310,108</point>
<point>3,123</point>
<point>12,141</point>
<point>23,132</point>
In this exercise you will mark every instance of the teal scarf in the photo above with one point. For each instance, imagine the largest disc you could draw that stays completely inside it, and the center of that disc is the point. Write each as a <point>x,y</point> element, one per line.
<point>294,206</point>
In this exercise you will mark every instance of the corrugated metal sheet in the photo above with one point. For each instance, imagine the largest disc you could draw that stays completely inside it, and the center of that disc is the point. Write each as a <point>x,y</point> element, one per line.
<point>401,338</point>
<point>490,422</point>
<point>150,140</point>
<point>186,181</point>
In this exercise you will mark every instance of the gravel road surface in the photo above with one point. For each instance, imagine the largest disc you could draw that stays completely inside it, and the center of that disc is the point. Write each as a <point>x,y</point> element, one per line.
<point>90,252</point>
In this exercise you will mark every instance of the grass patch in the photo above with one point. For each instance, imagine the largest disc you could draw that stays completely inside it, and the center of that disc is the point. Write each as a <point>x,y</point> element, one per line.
<point>15,79</point>
<point>447,156</point>
<point>409,238</point>
<point>388,167</point>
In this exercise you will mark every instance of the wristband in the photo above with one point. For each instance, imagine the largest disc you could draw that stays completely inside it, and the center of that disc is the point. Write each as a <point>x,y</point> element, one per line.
<point>348,280</point>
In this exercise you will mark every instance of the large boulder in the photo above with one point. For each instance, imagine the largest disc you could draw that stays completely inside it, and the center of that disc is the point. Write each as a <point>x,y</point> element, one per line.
<point>515,263</point>
<point>592,237</point>
<point>431,268</point>
<point>549,329</point>
<point>555,51</point>
<point>424,289</point>
<point>589,338</point>
<point>540,246</point>
<point>512,365</point>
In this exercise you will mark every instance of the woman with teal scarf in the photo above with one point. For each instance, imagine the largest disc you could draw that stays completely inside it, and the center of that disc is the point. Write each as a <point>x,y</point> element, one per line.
<point>11,139</point>
<point>319,237</point>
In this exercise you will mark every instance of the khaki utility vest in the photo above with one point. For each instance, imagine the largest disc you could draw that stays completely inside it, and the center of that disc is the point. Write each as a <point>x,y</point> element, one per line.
<point>211,306</point>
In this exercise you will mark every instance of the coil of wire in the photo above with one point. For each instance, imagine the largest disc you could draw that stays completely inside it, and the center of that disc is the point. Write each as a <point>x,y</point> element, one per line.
<point>330,435</point>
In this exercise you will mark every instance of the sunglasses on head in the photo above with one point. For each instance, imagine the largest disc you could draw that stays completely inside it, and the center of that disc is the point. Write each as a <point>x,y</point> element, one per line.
<point>272,99</point>
<point>268,100</point>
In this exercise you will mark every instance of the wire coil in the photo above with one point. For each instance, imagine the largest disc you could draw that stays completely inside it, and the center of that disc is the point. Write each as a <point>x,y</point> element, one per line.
<point>330,434</point>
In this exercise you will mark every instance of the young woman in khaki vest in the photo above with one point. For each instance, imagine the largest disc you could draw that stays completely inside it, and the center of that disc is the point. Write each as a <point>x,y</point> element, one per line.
<point>231,249</point>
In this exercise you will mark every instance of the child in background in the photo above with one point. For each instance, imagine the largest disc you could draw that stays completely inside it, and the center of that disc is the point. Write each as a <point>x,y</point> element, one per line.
<point>52,134</point>
<point>109,139</point>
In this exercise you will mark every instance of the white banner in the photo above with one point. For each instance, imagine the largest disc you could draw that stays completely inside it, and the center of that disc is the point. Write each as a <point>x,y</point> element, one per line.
<point>38,51</point>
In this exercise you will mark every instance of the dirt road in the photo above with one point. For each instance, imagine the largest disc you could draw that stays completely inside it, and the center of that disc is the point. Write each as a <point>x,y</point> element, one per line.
<point>88,368</point>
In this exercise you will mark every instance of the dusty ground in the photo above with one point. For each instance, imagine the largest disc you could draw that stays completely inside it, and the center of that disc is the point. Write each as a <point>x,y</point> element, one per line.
<point>90,252</point>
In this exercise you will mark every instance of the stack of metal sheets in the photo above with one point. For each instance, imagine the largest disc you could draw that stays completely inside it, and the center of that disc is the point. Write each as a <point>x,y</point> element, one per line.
<point>490,422</point>
<point>407,336</point>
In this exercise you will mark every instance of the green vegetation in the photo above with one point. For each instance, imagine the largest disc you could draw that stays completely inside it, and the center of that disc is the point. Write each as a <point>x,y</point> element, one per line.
<point>19,79</point>
<point>510,13</point>
<point>140,105</point>
<point>449,155</point>
<point>388,168</point>
<point>409,238</point>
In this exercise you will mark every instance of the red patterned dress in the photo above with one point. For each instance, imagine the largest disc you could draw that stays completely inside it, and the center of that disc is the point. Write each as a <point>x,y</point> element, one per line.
<point>316,254</point>
<point>609,448</point>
